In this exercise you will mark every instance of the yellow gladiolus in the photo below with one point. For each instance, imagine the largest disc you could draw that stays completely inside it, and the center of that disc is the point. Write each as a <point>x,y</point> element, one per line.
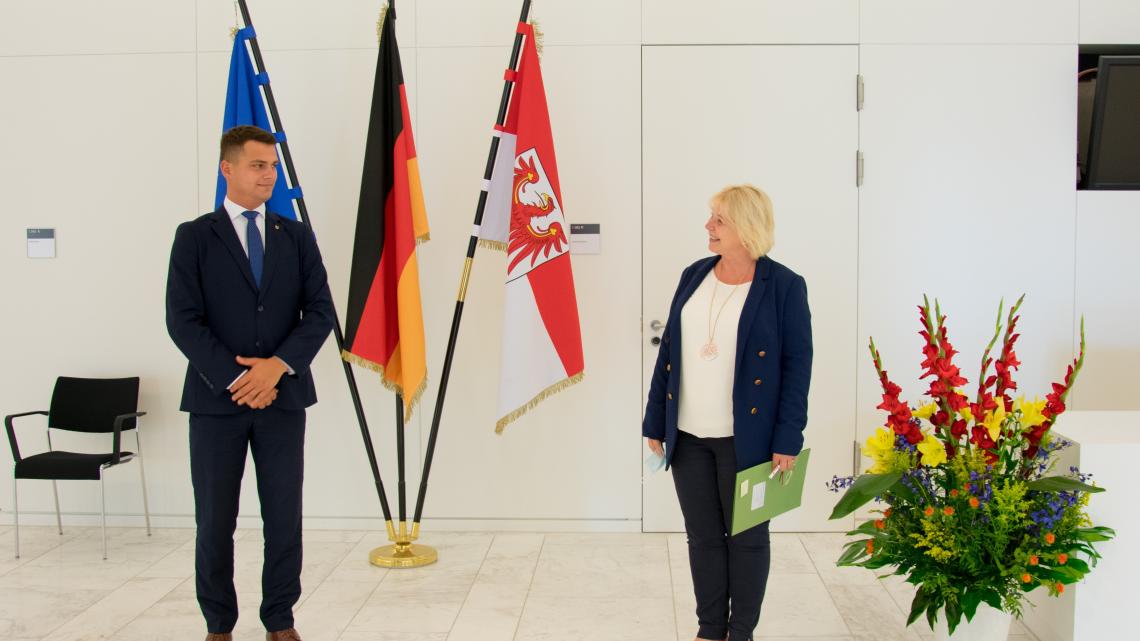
<point>1031,411</point>
<point>926,411</point>
<point>994,420</point>
<point>878,448</point>
<point>966,414</point>
<point>933,452</point>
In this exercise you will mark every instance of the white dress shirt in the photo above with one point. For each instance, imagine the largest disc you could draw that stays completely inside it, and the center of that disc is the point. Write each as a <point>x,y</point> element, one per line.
<point>241,223</point>
<point>241,226</point>
<point>706,385</point>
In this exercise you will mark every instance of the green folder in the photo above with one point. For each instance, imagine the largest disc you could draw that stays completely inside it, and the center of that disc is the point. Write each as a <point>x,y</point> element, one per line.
<point>760,498</point>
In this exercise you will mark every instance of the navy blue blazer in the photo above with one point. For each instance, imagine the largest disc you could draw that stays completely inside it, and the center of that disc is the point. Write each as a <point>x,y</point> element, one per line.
<point>773,365</point>
<point>215,312</point>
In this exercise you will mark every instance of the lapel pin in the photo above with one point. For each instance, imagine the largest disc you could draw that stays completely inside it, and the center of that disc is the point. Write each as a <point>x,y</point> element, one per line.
<point>277,225</point>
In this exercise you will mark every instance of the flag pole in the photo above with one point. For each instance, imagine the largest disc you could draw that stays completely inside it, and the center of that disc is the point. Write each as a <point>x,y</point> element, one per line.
<point>504,102</point>
<point>287,161</point>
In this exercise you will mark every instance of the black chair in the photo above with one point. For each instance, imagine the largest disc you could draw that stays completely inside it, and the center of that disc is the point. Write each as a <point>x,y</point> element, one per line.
<point>92,405</point>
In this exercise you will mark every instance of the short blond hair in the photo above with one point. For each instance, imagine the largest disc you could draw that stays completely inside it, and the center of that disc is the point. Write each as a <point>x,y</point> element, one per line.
<point>749,210</point>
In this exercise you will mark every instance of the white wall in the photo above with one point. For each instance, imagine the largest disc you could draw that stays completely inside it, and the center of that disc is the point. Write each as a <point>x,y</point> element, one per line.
<point>109,128</point>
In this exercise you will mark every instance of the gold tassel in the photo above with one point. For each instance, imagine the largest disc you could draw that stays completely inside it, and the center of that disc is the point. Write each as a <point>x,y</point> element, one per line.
<point>409,401</point>
<point>538,36</point>
<point>380,21</point>
<point>423,238</point>
<point>543,395</point>
<point>496,245</point>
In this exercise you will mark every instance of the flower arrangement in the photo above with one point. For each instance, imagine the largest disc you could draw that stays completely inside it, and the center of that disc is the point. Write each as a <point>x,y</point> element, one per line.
<point>971,512</point>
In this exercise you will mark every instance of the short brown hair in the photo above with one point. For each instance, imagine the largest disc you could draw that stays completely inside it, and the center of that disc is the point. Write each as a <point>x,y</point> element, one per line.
<point>236,137</point>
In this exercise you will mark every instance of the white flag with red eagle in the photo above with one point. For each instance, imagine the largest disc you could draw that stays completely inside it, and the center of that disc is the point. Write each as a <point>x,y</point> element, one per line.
<point>542,341</point>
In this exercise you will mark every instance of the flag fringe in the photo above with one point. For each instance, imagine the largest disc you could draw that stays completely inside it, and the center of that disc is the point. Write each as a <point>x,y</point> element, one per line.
<point>543,395</point>
<point>423,238</point>
<point>496,245</point>
<point>380,22</point>
<point>539,36</point>
<point>396,388</point>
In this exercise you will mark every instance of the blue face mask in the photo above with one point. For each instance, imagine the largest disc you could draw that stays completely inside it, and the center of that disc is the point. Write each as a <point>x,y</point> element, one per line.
<point>654,463</point>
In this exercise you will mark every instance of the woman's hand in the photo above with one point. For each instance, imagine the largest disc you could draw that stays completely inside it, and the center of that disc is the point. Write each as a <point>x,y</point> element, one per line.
<point>783,462</point>
<point>656,447</point>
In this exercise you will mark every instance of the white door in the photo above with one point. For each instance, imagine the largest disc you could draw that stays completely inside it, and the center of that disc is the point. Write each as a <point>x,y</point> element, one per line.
<point>782,118</point>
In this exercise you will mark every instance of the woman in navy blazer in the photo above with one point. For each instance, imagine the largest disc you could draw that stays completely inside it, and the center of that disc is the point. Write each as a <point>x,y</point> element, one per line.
<point>742,400</point>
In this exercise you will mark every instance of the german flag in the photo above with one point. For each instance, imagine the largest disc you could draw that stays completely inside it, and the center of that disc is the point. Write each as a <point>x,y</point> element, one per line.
<point>384,329</point>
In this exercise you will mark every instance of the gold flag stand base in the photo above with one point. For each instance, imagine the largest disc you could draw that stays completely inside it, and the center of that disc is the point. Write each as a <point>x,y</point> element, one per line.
<point>403,553</point>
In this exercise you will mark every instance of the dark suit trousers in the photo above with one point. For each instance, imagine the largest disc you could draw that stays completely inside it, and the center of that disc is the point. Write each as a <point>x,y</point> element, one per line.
<point>217,460</point>
<point>729,572</point>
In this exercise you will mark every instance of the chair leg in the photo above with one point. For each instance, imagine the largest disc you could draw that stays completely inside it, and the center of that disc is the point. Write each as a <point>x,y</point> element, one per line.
<point>103,509</point>
<point>58,518</point>
<point>16,515</point>
<point>142,476</point>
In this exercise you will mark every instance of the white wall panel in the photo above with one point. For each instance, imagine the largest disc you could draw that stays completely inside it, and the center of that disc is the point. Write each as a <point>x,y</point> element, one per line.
<point>299,24</point>
<point>969,197</point>
<point>491,23</point>
<point>968,21</point>
<point>576,455</point>
<point>1110,22</point>
<point>1107,265</point>
<point>750,22</point>
<point>28,27</point>
<point>112,176</point>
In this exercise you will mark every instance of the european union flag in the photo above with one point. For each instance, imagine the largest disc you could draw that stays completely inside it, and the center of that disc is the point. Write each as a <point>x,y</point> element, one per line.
<point>245,106</point>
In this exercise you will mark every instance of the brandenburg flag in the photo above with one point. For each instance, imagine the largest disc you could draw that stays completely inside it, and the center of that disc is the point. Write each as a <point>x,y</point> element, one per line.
<point>384,329</point>
<point>542,341</point>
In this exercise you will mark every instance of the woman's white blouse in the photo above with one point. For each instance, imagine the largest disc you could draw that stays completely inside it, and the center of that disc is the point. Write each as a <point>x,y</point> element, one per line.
<point>706,385</point>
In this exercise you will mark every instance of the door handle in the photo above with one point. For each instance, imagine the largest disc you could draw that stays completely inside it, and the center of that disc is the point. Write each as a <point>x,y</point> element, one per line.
<point>656,326</point>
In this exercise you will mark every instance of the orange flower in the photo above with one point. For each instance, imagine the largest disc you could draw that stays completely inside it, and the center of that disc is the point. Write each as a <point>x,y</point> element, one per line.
<point>1062,558</point>
<point>1033,560</point>
<point>948,511</point>
<point>1025,578</point>
<point>974,503</point>
<point>954,493</point>
<point>887,513</point>
<point>880,524</point>
<point>967,488</point>
<point>929,511</point>
<point>870,546</point>
<point>1060,588</point>
<point>1050,538</point>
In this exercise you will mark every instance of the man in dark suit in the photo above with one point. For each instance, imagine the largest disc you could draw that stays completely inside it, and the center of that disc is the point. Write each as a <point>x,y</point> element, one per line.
<point>247,302</point>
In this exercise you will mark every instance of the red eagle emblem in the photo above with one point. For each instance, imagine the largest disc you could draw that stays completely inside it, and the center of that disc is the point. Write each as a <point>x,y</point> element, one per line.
<point>528,236</point>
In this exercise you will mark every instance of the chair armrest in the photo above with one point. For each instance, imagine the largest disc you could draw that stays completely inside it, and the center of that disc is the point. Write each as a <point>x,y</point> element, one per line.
<point>117,428</point>
<point>12,431</point>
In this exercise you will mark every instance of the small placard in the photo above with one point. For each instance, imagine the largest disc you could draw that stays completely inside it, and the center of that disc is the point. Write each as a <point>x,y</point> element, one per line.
<point>41,243</point>
<point>585,238</point>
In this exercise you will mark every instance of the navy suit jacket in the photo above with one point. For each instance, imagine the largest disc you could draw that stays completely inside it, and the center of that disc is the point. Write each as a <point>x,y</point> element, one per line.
<point>773,365</point>
<point>215,312</point>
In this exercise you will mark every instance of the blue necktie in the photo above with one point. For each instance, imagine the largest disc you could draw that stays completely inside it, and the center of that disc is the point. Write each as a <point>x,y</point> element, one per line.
<point>256,248</point>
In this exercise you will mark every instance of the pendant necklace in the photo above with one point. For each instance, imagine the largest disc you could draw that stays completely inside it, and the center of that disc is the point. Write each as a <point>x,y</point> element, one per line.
<point>709,350</point>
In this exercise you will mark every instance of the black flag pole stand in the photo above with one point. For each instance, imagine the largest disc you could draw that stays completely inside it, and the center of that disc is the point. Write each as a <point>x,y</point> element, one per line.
<point>287,161</point>
<point>504,102</point>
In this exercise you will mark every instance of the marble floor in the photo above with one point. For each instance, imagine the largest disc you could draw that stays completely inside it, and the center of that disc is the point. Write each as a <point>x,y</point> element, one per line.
<point>486,587</point>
